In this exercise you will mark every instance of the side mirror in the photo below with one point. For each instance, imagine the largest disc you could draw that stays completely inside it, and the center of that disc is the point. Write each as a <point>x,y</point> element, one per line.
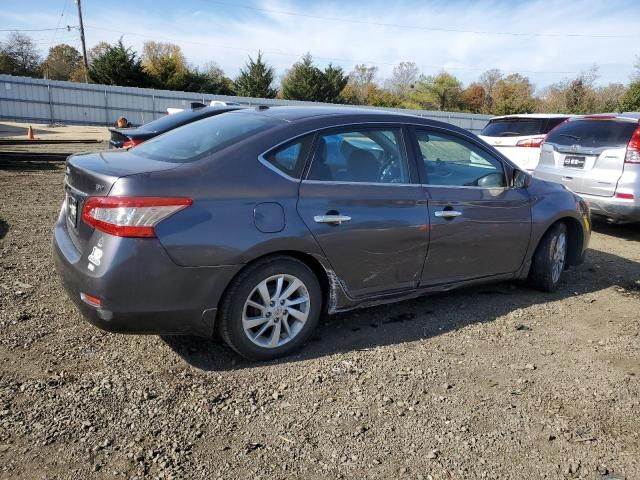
<point>521,179</point>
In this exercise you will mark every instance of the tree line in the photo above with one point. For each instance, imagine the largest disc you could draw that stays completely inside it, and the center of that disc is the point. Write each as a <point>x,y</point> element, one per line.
<point>164,66</point>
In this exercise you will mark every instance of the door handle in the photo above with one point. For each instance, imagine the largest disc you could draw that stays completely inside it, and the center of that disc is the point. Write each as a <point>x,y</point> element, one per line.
<point>447,213</point>
<point>335,219</point>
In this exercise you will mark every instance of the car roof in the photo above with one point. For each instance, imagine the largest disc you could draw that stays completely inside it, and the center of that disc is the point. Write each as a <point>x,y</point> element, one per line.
<point>534,115</point>
<point>628,116</point>
<point>293,113</point>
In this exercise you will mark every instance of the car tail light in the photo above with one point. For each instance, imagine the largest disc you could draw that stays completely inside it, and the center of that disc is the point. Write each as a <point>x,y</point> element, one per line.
<point>530,142</point>
<point>624,196</point>
<point>90,300</point>
<point>633,148</point>
<point>132,142</point>
<point>130,216</point>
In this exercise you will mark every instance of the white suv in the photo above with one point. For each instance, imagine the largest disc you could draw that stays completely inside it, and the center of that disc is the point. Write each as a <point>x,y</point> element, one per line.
<point>518,137</point>
<point>597,157</point>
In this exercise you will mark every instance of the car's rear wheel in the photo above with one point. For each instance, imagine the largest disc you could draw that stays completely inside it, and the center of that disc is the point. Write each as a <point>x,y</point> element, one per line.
<point>550,258</point>
<point>271,308</point>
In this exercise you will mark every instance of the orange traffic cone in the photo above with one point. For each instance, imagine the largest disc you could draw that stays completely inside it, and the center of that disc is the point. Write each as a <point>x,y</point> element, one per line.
<point>30,134</point>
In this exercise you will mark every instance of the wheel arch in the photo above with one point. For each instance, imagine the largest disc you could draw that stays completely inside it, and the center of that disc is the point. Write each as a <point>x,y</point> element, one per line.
<point>575,239</point>
<point>322,273</point>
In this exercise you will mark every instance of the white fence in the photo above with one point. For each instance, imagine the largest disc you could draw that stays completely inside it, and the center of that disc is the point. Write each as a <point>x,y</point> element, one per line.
<point>24,99</point>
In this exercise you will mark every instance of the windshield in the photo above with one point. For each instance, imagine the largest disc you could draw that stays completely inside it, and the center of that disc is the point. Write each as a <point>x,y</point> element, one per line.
<point>195,140</point>
<point>513,127</point>
<point>593,133</point>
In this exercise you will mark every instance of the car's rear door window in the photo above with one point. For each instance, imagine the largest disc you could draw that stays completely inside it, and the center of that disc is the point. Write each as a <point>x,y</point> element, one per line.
<point>204,137</point>
<point>290,158</point>
<point>454,162</point>
<point>371,155</point>
<point>513,127</point>
<point>593,133</point>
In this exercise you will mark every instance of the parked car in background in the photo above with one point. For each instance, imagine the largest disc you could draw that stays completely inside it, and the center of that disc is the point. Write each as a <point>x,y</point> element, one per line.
<point>255,222</point>
<point>598,157</point>
<point>129,137</point>
<point>519,137</point>
<point>213,103</point>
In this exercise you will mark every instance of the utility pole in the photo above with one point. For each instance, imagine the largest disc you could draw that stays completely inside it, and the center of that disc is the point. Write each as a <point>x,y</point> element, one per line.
<point>84,47</point>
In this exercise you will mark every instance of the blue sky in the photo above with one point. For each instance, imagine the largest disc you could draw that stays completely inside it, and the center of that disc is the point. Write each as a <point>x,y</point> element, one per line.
<point>546,40</point>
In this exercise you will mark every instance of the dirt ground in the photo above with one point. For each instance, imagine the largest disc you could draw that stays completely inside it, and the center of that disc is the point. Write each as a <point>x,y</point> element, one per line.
<point>495,382</point>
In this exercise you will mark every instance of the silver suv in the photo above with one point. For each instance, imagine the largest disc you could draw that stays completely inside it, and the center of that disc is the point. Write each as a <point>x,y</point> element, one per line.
<point>597,157</point>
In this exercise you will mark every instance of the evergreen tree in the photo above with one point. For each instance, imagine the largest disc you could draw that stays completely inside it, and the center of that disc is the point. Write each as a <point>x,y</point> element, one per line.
<point>304,81</point>
<point>333,81</point>
<point>631,98</point>
<point>118,65</point>
<point>255,79</point>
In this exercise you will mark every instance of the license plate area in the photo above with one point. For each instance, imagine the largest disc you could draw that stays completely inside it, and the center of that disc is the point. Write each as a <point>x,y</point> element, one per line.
<point>573,161</point>
<point>72,210</point>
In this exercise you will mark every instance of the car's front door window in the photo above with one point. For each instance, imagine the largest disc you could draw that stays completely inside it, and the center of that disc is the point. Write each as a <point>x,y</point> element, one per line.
<point>360,156</point>
<point>454,162</point>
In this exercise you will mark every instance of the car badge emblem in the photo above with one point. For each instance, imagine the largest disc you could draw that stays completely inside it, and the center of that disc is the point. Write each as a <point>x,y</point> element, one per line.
<point>99,187</point>
<point>498,142</point>
<point>574,148</point>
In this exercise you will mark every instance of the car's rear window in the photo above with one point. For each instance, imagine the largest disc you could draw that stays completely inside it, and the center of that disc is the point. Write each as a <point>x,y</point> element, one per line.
<point>174,120</point>
<point>513,127</point>
<point>195,140</point>
<point>593,133</point>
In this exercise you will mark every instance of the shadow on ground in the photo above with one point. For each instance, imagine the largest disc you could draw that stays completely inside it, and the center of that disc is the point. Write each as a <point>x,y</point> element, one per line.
<point>625,231</point>
<point>26,164</point>
<point>424,317</point>
<point>4,228</point>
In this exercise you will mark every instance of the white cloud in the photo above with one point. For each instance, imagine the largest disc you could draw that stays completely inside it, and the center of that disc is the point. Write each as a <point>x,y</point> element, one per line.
<point>211,31</point>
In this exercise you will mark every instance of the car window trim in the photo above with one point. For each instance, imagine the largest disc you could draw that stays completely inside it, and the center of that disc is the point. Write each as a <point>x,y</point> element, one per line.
<point>409,143</point>
<point>422,171</point>
<point>362,126</point>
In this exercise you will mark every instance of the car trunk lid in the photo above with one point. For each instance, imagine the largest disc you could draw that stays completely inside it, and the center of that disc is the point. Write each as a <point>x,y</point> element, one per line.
<point>93,175</point>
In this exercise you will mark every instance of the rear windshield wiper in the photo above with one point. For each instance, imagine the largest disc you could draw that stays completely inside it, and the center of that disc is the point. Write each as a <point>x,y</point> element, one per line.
<point>570,136</point>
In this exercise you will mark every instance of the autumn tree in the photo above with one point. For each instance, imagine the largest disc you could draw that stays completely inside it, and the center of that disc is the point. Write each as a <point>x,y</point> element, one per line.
<point>165,64</point>
<point>403,78</point>
<point>256,79</point>
<point>441,91</point>
<point>61,62</point>
<point>473,98</point>
<point>360,84</point>
<point>513,94</point>
<point>489,80</point>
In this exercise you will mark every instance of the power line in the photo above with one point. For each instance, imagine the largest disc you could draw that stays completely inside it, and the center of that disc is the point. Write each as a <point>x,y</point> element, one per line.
<point>418,27</point>
<point>55,33</point>
<point>329,59</point>
<point>31,29</point>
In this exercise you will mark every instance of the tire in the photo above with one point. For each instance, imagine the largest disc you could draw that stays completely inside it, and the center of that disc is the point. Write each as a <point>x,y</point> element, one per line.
<point>240,318</point>
<point>548,262</point>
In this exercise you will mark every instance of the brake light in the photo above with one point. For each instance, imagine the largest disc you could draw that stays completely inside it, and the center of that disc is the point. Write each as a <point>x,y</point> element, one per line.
<point>633,148</point>
<point>624,196</point>
<point>530,142</point>
<point>132,142</point>
<point>130,216</point>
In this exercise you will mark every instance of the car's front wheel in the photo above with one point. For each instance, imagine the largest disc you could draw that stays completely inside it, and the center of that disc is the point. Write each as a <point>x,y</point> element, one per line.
<point>549,260</point>
<point>271,308</point>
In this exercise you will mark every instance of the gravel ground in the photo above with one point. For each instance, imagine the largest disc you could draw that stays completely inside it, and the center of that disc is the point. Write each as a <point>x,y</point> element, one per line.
<point>492,382</point>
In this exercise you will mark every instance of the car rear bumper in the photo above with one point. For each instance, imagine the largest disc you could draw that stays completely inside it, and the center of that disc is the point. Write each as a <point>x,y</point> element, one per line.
<point>614,208</point>
<point>141,289</point>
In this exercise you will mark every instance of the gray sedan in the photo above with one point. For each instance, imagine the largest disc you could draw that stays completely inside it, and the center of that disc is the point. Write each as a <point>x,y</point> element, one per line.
<point>253,223</point>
